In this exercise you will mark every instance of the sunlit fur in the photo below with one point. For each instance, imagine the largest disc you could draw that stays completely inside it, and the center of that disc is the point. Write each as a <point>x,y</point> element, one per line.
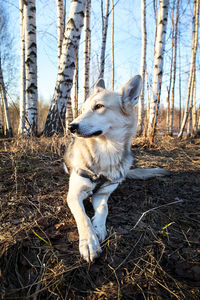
<point>102,147</point>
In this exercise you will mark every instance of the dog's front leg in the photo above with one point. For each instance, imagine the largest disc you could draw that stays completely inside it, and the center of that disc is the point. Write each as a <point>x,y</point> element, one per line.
<point>99,201</point>
<point>79,189</point>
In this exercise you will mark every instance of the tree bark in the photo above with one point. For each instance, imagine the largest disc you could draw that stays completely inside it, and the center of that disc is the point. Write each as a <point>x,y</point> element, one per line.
<point>171,119</point>
<point>60,26</point>
<point>158,63</point>
<point>22,101</point>
<point>5,103</point>
<point>192,65</point>
<point>189,125</point>
<point>104,36</point>
<point>113,47</point>
<point>143,68</point>
<point>76,88</point>
<point>194,111</point>
<point>1,121</point>
<point>69,113</point>
<point>30,68</point>
<point>55,122</point>
<point>87,46</point>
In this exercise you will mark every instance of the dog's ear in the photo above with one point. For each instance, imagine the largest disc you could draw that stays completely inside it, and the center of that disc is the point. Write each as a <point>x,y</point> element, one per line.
<point>131,90</point>
<point>99,86</point>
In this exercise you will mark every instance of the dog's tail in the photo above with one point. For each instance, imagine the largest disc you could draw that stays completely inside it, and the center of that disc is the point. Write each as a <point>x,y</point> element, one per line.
<point>146,173</point>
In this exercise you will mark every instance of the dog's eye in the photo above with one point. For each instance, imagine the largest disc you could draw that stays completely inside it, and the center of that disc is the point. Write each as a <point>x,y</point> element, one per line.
<point>98,106</point>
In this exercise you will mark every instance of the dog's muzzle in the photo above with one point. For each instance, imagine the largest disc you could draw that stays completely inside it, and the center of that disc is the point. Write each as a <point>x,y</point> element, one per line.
<point>73,127</point>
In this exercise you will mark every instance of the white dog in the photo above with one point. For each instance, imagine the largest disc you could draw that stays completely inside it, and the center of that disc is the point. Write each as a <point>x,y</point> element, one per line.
<point>99,158</point>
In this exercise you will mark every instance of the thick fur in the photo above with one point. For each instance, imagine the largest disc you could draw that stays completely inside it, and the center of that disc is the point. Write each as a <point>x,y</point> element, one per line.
<point>101,148</point>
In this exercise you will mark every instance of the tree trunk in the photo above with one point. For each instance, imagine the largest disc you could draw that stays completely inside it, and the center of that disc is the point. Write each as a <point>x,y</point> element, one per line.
<point>60,26</point>
<point>76,88</point>
<point>148,104</point>
<point>55,122</point>
<point>104,35</point>
<point>194,112</point>
<point>5,104</point>
<point>30,68</point>
<point>189,126</point>
<point>156,22</point>
<point>192,65</point>
<point>1,121</point>
<point>22,101</point>
<point>69,112</point>
<point>143,68</point>
<point>158,63</point>
<point>171,69</point>
<point>113,49</point>
<point>171,119</point>
<point>179,87</point>
<point>87,43</point>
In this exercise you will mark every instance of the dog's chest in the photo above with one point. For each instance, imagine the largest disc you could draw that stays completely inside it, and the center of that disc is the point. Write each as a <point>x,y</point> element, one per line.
<point>114,165</point>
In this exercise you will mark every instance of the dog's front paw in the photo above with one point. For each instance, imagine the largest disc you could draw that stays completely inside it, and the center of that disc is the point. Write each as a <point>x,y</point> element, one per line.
<point>89,247</point>
<point>100,230</point>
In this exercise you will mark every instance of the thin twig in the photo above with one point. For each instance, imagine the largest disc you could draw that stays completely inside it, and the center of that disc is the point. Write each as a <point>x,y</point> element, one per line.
<point>154,208</point>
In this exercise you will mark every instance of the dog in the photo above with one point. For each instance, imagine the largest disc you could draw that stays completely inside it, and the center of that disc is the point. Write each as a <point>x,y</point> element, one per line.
<point>99,158</point>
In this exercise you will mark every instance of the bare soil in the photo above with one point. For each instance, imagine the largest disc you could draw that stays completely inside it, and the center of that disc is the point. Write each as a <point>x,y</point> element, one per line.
<point>153,246</point>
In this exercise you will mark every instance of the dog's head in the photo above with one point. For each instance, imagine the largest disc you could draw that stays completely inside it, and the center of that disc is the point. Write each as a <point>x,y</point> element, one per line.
<point>105,112</point>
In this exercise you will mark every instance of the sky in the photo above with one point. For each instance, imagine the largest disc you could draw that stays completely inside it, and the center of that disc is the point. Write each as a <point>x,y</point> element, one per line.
<point>128,43</point>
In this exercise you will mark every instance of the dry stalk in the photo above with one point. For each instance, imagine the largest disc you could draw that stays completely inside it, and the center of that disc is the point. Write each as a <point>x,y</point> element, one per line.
<point>154,208</point>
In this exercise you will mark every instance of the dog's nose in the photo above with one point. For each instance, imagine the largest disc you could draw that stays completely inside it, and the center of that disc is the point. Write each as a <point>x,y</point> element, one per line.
<point>73,127</point>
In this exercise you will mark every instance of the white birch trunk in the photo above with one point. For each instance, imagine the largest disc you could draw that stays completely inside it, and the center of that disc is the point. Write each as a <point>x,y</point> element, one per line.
<point>104,35</point>
<point>1,121</point>
<point>171,118</point>
<point>30,67</point>
<point>22,71</point>
<point>189,125</point>
<point>69,112</point>
<point>143,68</point>
<point>192,66</point>
<point>113,49</point>
<point>76,88</point>
<point>194,111</point>
<point>56,117</point>
<point>60,26</point>
<point>5,103</point>
<point>87,47</point>
<point>158,63</point>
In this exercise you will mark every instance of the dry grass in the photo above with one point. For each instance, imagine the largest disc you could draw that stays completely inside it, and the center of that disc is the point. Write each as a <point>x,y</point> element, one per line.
<point>155,258</point>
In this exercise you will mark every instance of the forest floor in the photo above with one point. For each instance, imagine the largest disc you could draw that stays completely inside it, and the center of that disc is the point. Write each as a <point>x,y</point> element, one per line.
<point>153,246</point>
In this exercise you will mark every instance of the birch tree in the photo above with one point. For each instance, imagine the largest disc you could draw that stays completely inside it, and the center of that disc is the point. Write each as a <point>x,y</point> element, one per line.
<point>31,100</point>
<point>75,115</point>
<point>194,111</point>
<point>175,31</point>
<point>113,49</point>
<point>104,36</point>
<point>87,49</point>
<point>22,100</point>
<point>171,68</point>
<point>143,69</point>
<point>1,121</point>
<point>190,115</point>
<point>55,122</point>
<point>5,103</point>
<point>60,25</point>
<point>69,112</point>
<point>158,64</point>
<point>192,66</point>
<point>5,54</point>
